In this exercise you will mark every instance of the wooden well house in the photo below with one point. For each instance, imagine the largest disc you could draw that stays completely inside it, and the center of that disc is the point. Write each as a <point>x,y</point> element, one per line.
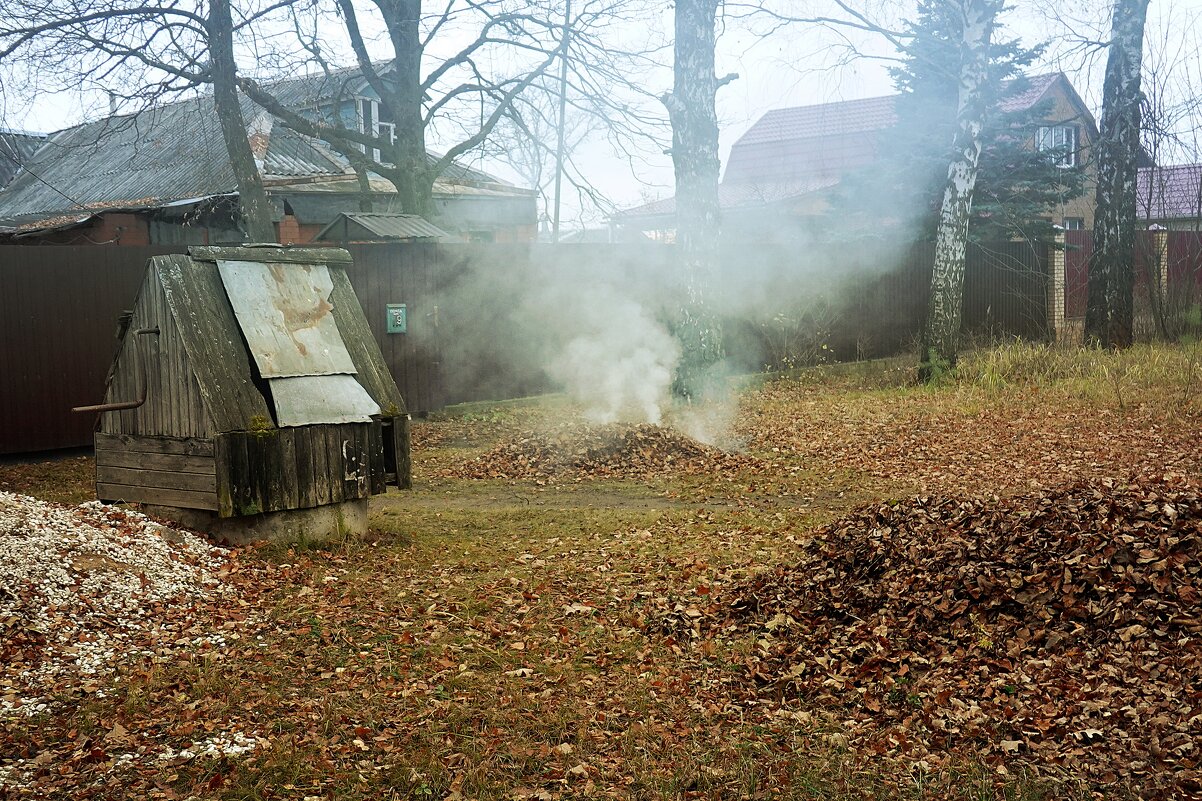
<point>247,382</point>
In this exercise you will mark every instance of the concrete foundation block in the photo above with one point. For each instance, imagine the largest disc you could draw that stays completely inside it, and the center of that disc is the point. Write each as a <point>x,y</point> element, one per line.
<point>319,525</point>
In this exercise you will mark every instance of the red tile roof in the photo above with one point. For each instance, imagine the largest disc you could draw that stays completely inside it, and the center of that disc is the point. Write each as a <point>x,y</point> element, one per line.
<point>1170,193</point>
<point>806,148</point>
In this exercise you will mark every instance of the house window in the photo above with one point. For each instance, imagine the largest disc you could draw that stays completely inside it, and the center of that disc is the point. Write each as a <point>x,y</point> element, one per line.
<point>375,121</point>
<point>1074,223</point>
<point>1059,142</point>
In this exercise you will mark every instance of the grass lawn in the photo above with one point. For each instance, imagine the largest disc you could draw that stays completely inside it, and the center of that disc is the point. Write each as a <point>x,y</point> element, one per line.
<point>497,638</point>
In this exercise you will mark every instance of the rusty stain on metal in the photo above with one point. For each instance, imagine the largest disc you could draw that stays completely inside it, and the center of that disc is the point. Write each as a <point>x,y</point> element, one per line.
<point>284,312</point>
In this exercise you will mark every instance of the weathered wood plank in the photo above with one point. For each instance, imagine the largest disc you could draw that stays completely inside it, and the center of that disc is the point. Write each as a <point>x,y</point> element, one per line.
<point>140,444</point>
<point>288,255</point>
<point>335,463</point>
<point>320,450</point>
<point>375,442</point>
<point>224,459</point>
<point>404,459</point>
<point>289,469</point>
<point>171,462</point>
<point>162,479</point>
<point>157,495</point>
<point>356,461</point>
<point>306,492</point>
<point>257,473</point>
<point>213,343</point>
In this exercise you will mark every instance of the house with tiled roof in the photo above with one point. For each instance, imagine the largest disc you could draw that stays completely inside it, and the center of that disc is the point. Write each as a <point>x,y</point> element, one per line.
<point>781,174</point>
<point>162,176</point>
<point>1171,197</point>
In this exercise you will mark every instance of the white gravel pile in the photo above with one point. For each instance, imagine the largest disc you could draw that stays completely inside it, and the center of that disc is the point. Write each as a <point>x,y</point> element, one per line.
<point>83,588</point>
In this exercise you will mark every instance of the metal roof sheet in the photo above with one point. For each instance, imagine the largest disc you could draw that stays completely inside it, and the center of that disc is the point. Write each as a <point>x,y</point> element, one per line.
<point>284,312</point>
<point>171,152</point>
<point>381,225</point>
<point>1170,193</point>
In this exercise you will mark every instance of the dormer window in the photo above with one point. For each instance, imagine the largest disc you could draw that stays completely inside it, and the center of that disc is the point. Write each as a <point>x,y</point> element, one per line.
<point>375,121</point>
<point>1059,142</point>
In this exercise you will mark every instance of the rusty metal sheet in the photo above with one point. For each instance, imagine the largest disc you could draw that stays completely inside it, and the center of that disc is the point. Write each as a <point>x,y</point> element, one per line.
<point>308,400</point>
<point>284,312</point>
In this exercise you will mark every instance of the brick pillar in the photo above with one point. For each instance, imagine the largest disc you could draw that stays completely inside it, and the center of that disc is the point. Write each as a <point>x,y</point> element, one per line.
<point>1160,261</point>
<point>1056,282</point>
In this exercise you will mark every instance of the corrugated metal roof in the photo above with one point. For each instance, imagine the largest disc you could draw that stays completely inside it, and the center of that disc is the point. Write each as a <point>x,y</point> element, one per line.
<point>1170,193</point>
<point>382,226</point>
<point>15,148</point>
<point>167,153</point>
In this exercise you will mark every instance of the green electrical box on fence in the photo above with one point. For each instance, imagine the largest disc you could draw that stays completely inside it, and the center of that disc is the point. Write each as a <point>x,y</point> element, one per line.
<point>398,318</point>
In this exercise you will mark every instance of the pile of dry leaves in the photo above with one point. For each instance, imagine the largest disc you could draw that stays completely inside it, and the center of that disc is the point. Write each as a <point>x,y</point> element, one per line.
<point>607,451</point>
<point>1059,628</point>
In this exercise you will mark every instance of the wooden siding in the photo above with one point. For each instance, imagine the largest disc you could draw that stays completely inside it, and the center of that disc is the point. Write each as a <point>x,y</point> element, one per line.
<point>213,342</point>
<point>166,471</point>
<point>298,468</point>
<point>174,406</point>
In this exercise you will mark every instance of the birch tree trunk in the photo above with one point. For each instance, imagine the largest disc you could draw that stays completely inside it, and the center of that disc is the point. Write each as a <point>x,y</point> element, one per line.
<point>941,331</point>
<point>256,208</point>
<point>1109,310</point>
<point>691,108</point>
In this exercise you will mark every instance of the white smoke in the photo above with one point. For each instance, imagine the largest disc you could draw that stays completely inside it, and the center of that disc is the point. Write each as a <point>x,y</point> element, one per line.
<point>617,361</point>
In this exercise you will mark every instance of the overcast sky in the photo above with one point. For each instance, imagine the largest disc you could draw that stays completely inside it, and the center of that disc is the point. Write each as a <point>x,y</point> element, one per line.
<point>804,65</point>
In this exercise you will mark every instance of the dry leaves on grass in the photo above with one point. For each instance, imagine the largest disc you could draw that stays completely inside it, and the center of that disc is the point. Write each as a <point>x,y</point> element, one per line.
<point>1058,629</point>
<point>935,442</point>
<point>611,451</point>
<point>84,592</point>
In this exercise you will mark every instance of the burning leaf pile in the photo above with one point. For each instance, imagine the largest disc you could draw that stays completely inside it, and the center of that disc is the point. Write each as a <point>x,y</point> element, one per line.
<point>83,589</point>
<point>1060,629</point>
<point>608,451</point>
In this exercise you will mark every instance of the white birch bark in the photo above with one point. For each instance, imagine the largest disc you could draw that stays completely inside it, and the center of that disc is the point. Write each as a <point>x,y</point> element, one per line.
<point>941,331</point>
<point>1109,309</point>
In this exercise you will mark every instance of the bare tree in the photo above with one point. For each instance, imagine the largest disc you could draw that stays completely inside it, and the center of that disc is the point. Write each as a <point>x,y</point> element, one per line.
<point>144,55</point>
<point>1109,313</point>
<point>691,107</point>
<point>941,331</point>
<point>458,96</point>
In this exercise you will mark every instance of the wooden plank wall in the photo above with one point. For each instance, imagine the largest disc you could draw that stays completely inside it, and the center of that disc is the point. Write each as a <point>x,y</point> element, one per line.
<point>298,468</point>
<point>156,364</point>
<point>160,470</point>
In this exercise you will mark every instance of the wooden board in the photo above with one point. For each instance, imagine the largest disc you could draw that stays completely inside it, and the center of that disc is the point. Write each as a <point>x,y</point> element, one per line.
<point>133,443</point>
<point>371,369</point>
<point>213,342</point>
<point>286,255</point>
<point>400,444</point>
<point>156,495</point>
<point>168,462</point>
<point>157,479</point>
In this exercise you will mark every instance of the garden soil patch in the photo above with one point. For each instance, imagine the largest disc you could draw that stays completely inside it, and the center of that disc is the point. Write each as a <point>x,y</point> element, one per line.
<point>1057,629</point>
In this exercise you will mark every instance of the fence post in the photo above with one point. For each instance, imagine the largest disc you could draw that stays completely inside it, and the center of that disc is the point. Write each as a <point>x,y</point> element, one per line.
<point>1057,272</point>
<point>1160,259</point>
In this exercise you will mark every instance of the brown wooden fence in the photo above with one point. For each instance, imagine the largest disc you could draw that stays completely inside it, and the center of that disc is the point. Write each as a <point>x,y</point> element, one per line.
<point>484,319</point>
